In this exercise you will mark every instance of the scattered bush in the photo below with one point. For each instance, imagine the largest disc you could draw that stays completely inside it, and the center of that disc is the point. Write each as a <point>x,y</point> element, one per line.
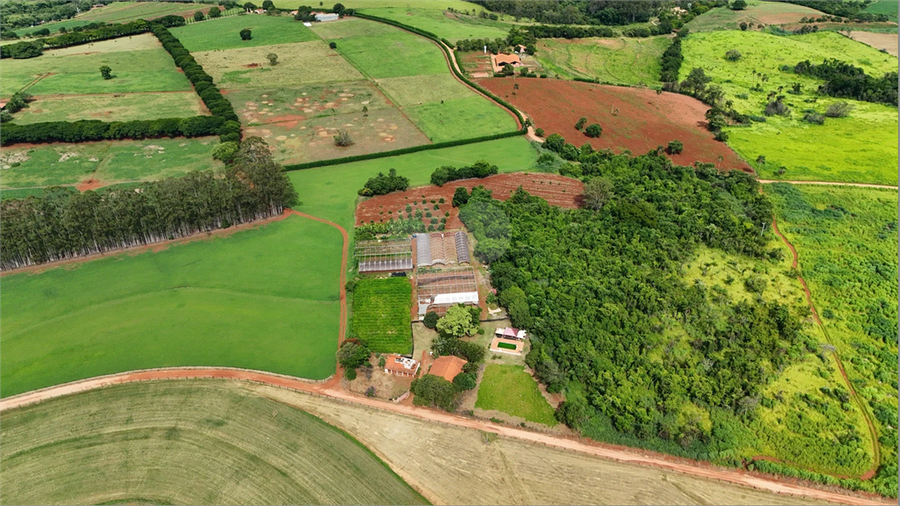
<point>814,117</point>
<point>593,130</point>
<point>465,380</point>
<point>430,320</point>
<point>382,185</point>
<point>479,169</point>
<point>839,110</point>
<point>246,34</point>
<point>539,132</point>
<point>343,139</point>
<point>675,147</point>
<point>580,124</point>
<point>732,55</point>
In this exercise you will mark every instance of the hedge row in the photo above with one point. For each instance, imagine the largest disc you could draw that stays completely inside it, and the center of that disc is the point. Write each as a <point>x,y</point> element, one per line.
<point>446,49</point>
<point>96,130</point>
<point>31,49</point>
<point>403,151</point>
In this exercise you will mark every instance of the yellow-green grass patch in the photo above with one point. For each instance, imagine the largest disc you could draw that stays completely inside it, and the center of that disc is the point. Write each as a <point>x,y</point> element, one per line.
<point>298,64</point>
<point>461,118</point>
<point>859,148</point>
<point>445,24</point>
<point>114,107</point>
<point>508,388</point>
<point>418,90</point>
<point>381,314</point>
<point>106,161</point>
<point>390,53</point>
<point>265,299</point>
<point>756,13</point>
<point>186,442</point>
<point>621,60</point>
<point>330,192</point>
<point>224,33</point>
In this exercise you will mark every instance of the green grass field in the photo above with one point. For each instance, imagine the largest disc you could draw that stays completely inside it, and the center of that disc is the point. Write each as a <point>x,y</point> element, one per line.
<point>117,12</point>
<point>846,239</point>
<point>766,13</point>
<point>381,314</point>
<point>622,60</point>
<point>126,107</point>
<point>186,442</point>
<point>224,33</point>
<point>138,64</point>
<point>107,161</point>
<point>330,192</point>
<point>888,7</point>
<point>460,119</point>
<point>262,299</point>
<point>417,90</point>
<point>508,388</point>
<point>450,26</point>
<point>860,148</point>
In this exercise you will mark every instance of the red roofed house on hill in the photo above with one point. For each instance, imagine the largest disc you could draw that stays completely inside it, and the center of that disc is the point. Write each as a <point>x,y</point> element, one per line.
<point>499,60</point>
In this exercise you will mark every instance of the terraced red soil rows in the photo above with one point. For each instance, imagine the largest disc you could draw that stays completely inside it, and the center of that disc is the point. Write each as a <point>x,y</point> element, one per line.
<point>635,119</point>
<point>556,190</point>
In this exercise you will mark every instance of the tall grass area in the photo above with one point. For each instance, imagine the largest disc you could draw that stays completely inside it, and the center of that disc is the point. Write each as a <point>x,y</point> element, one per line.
<point>381,317</point>
<point>186,442</point>
<point>860,148</point>
<point>330,192</point>
<point>846,239</point>
<point>623,60</point>
<point>508,388</point>
<point>263,299</point>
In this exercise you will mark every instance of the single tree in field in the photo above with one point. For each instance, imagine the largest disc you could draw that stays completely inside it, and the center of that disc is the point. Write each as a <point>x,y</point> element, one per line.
<point>106,72</point>
<point>249,6</point>
<point>246,34</point>
<point>198,16</point>
<point>273,58</point>
<point>365,111</point>
<point>597,193</point>
<point>268,5</point>
<point>457,322</point>
<point>593,130</point>
<point>338,9</point>
<point>675,147</point>
<point>214,12</point>
<point>743,26</point>
<point>732,55</point>
<point>343,139</point>
<point>580,124</point>
<point>332,45</point>
<point>738,5</point>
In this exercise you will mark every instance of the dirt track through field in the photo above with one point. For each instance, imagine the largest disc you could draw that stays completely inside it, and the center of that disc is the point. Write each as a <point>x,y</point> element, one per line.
<point>868,475</point>
<point>328,389</point>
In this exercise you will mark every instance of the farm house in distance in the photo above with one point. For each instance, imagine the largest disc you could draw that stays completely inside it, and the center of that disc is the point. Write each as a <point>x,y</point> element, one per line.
<point>499,60</point>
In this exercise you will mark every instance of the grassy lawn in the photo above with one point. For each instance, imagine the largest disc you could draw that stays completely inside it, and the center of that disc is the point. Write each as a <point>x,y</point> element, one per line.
<point>417,90</point>
<point>330,192</point>
<point>381,314</point>
<point>201,303</point>
<point>224,33</point>
<point>107,161</point>
<point>124,107</point>
<point>186,442</point>
<point>859,148</point>
<point>298,64</point>
<point>387,51</point>
<point>138,64</point>
<point>461,118</point>
<point>510,389</point>
<point>846,239</point>
<point>618,61</point>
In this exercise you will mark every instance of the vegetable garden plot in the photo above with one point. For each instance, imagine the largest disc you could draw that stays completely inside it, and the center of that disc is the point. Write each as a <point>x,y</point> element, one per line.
<point>381,314</point>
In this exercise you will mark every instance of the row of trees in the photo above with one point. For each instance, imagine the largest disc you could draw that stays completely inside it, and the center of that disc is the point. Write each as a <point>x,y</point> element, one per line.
<point>64,223</point>
<point>15,15</point>
<point>446,173</point>
<point>601,292</point>
<point>96,130</point>
<point>670,62</point>
<point>847,81</point>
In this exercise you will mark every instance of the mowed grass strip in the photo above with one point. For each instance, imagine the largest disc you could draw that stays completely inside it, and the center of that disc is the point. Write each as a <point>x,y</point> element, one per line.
<point>299,63</point>
<point>861,148</point>
<point>224,33</point>
<point>388,52</point>
<point>508,388</point>
<point>265,298</point>
<point>139,63</point>
<point>381,314</point>
<point>417,90</point>
<point>106,161</point>
<point>115,107</point>
<point>186,442</point>
<point>450,26</point>
<point>330,192</point>
<point>621,60</point>
<point>460,118</point>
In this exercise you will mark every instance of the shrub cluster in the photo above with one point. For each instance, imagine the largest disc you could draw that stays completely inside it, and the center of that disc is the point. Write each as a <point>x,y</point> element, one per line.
<point>672,58</point>
<point>479,169</point>
<point>847,81</point>
<point>382,185</point>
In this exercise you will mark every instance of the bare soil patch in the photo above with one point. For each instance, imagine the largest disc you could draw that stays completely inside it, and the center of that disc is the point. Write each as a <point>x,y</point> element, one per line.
<point>555,189</point>
<point>885,41</point>
<point>633,119</point>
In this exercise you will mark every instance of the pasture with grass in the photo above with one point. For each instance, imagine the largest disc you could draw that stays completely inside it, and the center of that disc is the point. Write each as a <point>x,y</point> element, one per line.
<point>111,107</point>
<point>224,33</point>
<point>508,388</point>
<point>628,61</point>
<point>187,442</point>
<point>265,298</point>
<point>860,148</point>
<point>381,318</point>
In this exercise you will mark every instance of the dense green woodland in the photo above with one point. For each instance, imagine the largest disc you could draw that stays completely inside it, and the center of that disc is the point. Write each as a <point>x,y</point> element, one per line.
<point>612,320</point>
<point>600,12</point>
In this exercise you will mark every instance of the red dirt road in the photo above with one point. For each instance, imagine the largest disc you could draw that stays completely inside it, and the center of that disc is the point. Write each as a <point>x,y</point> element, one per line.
<point>555,189</point>
<point>635,119</point>
<point>641,458</point>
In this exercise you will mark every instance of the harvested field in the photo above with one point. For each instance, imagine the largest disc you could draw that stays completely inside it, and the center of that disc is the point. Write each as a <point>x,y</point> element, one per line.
<point>632,119</point>
<point>454,465</point>
<point>885,41</point>
<point>766,13</point>
<point>476,64</point>
<point>298,64</point>
<point>111,107</point>
<point>186,442</point>
<point>557,190</point>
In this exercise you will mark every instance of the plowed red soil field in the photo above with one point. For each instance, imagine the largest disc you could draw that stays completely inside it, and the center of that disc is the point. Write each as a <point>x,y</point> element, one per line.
<point>634,119</point>
<point>556,190</point>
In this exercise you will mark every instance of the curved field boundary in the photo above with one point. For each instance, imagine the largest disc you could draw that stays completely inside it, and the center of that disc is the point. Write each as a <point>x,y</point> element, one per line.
<point>873,433</point>
<point>325,389</point>
<point>830,183</point>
